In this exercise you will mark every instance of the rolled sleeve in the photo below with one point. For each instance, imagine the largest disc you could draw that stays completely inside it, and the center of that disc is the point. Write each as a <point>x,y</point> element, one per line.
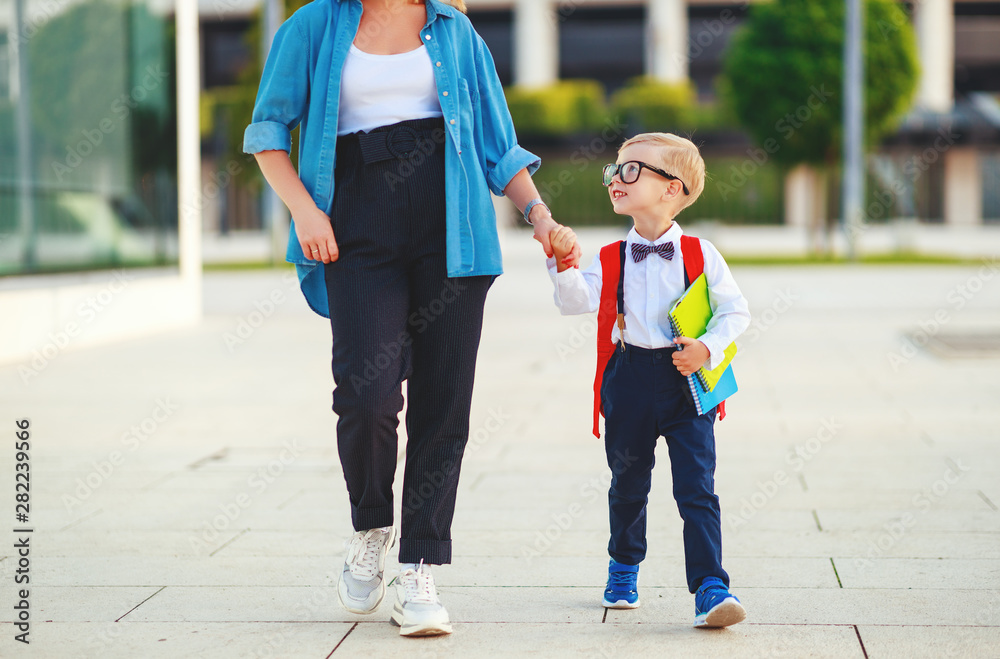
<point>267,136</point>
<point>283,95</point>
<point>516,159</point>
<point>504,157</point>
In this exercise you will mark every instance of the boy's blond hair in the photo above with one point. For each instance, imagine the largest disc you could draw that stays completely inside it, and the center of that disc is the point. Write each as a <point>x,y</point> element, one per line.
<point>679,157</point>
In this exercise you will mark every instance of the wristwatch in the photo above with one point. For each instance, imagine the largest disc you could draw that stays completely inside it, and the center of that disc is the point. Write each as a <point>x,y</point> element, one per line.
<point>532,204</point>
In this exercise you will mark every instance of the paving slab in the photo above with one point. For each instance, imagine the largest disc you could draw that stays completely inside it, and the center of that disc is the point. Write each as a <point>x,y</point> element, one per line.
<point>930,642</point>
<point>172,640</point>
<point>868,545</point>
<point>610,640</point>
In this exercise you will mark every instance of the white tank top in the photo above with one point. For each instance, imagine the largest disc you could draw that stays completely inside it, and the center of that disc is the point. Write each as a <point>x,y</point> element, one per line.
<point>380,90</point>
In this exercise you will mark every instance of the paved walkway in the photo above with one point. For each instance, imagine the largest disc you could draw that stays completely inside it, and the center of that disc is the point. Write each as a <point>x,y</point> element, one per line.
<point>187,500</point>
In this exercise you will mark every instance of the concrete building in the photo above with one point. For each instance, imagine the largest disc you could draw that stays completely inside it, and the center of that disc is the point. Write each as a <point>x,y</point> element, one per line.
<point>99,175</point>
<point>537,42</point>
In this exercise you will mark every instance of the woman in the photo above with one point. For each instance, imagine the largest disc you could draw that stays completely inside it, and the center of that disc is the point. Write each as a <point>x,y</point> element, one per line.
<point>404,133</point>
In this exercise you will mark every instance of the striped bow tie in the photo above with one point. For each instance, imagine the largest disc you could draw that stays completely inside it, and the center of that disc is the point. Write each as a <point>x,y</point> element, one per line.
<point>640,252</point>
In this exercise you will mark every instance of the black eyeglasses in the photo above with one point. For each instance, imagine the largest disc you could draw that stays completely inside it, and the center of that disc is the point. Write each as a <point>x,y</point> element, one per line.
<point>629,172</point>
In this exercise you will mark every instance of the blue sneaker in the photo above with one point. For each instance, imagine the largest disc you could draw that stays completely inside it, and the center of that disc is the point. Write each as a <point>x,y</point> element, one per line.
<point>621,592</point>
<point>715,606</point>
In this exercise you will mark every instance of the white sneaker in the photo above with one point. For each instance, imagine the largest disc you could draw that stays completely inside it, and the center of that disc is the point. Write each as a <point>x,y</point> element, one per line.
<point>418,611</point>
<point>362,586</point>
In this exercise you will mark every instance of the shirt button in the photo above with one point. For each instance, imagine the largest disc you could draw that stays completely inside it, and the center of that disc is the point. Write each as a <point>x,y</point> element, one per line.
<point>452,122</point>
<point>438,63</point>
<point>427,36</point>
<point>446,93</point>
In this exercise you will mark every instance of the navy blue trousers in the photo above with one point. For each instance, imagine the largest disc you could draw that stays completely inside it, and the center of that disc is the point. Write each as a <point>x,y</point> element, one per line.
<point>396,315</point>
<point>644,398</point>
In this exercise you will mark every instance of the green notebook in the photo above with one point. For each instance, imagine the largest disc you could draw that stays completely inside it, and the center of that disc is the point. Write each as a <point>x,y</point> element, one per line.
<point>689,317</point>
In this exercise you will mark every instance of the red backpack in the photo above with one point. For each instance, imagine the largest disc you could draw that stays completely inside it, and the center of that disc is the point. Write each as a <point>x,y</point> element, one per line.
<point>612,309</point>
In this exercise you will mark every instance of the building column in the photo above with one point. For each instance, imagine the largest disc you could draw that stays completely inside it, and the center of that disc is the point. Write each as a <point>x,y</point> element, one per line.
<point>963,187</point>
<point>536,43</point>
<point>190,199</point>
<point>667,40</point>
<point>935,26</point>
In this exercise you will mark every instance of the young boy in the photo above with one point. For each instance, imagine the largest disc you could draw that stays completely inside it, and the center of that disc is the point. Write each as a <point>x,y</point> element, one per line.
<point>643,391</point>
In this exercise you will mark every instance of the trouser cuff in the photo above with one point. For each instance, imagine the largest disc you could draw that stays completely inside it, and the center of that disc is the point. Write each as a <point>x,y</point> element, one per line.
<point>371,518</point>
<point>432,552</point>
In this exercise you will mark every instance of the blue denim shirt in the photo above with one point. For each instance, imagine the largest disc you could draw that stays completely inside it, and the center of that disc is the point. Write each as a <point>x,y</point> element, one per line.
<point>301,86</point>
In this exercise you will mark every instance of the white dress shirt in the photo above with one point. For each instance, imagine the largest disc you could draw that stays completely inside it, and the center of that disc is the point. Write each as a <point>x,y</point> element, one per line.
<point>651,288</point>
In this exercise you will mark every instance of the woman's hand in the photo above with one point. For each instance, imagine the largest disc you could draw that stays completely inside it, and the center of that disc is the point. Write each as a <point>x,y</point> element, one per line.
<point>315,233</point>
<point>544,225</point>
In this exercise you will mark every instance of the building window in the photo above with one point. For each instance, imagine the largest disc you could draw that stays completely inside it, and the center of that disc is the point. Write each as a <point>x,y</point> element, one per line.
<point>226,52</point>
<point>5,64</point>
<point>497,30</point>
<point>620,33</point>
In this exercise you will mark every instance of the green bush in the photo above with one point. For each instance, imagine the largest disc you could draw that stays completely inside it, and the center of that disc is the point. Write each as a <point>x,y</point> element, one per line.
<point>566,107</point>
<point>651,105</point>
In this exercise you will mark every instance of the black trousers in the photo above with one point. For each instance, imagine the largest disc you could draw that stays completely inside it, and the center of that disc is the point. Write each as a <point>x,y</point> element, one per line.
<point>396,315</point>
<point>644,397</point>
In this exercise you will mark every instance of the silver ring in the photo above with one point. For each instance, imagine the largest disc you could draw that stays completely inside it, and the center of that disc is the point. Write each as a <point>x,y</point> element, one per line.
<point>315,251</point>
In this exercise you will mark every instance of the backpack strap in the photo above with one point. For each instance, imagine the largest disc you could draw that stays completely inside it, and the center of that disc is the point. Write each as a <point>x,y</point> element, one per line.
<point>611,266</point>
<point>694,259</point>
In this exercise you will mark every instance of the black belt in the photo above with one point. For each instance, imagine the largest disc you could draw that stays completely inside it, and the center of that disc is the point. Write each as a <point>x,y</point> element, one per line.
<point>399,141</point>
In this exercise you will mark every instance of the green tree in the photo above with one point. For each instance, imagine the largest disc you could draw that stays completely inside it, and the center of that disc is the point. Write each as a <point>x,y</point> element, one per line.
<point>783,76</point>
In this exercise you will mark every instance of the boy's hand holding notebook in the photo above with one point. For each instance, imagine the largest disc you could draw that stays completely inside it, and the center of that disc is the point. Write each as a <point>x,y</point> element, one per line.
<point>689,317</point>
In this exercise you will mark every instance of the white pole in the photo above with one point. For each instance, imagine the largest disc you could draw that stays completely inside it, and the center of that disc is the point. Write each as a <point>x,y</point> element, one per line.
<point>25,155</point>
<point>275,214</point>
<point>536,43</point>
<point>854,166</point>
<point>190,198</point>
<point>667,40</point>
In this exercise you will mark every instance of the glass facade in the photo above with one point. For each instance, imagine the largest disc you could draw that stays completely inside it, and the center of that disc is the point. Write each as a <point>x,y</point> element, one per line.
<point>88,137</point>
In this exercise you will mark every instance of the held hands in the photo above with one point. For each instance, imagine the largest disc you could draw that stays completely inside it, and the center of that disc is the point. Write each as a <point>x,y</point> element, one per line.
<point>544,228</point>
<point>315,234</point>
<point>692,357</point>
<point>564,247</point>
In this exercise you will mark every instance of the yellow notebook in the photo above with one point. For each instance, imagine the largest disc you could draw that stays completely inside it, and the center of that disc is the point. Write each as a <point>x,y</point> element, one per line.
<point>689,317</point>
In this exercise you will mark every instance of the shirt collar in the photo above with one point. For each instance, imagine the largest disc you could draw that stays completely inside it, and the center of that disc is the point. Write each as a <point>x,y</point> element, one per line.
<point>673,234</point>
<point>435,8</point>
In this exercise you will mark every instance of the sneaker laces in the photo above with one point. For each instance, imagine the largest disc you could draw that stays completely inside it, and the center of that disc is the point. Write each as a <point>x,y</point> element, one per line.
<point>621,580</point>
<point>363,553</point>
<point>418,585</point>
